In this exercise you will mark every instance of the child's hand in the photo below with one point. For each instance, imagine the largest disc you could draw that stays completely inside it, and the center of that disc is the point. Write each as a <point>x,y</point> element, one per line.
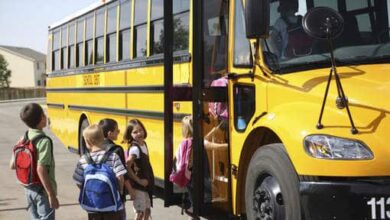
<point>143,182</point>
<point>131,193</point>
<point>54,202</point>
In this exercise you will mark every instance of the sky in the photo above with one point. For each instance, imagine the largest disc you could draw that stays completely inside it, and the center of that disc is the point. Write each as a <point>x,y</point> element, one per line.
<point>24,23</point>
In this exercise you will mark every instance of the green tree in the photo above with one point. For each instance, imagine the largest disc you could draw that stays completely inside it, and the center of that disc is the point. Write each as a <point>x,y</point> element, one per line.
<point>5,73</point>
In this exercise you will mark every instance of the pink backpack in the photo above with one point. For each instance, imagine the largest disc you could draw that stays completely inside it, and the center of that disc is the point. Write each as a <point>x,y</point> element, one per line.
<point>182,174</point>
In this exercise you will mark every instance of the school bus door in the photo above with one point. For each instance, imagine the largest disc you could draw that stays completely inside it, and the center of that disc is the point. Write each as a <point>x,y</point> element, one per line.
<point>210,98</point>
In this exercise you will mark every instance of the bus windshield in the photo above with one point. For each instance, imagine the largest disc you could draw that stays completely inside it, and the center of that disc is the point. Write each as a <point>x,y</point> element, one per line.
<point>364,40</point>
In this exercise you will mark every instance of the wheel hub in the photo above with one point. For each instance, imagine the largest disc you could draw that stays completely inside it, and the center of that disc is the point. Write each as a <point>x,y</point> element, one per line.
<point>268,199</point>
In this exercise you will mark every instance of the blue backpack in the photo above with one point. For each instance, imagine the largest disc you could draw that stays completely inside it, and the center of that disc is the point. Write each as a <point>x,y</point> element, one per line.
<point>99,192</point>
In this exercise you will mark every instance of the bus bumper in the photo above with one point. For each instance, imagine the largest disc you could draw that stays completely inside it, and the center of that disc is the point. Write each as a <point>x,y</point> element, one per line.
<point>368,199</point>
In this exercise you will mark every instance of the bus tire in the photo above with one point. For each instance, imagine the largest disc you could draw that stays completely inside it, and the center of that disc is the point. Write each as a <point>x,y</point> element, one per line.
<point>82,146</point>
<point>272,185</point>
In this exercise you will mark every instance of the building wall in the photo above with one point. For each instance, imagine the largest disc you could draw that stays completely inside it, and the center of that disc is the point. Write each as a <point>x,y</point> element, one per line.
<point>40,73</point>
<point>23,70</point>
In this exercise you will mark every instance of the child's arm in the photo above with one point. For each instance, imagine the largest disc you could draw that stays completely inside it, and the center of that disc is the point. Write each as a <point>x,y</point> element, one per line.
<point>121,181</point>
<point>132,175</point>
<point>45,159</point>
<point>214,146</point>
<point>44,177</point>
<point>130,189</point>
<point>12,162</point>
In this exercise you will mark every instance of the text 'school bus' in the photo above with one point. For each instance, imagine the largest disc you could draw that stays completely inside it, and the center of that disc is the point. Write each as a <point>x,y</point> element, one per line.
<point>290,98</point>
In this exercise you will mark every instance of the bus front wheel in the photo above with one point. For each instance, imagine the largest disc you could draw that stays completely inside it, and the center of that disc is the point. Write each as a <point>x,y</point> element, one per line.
<point>82,146</point>
<point>271,188</point>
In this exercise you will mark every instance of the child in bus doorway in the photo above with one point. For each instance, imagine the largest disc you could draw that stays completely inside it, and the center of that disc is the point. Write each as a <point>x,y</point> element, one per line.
<point>139,168</point>
<point>111,131</point>
<point>181,175</point>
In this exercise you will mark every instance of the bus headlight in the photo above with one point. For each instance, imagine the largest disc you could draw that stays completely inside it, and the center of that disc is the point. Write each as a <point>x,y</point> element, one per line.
<point>335,148</point>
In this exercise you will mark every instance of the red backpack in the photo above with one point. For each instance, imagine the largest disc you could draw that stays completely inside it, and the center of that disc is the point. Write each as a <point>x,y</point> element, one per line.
<point>26,158</point>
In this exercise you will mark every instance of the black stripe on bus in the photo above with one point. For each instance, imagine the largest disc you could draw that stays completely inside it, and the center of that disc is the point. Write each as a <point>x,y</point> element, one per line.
<point>125,112</point>
<point>123,65</point>
<point>54,105</point>
<point>112,89</point>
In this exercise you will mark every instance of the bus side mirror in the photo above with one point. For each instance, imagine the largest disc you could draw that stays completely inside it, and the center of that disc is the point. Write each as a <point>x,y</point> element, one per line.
<point>257,18</point>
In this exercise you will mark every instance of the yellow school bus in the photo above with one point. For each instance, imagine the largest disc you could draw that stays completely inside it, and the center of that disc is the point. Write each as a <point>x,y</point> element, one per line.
<point>295,91</point>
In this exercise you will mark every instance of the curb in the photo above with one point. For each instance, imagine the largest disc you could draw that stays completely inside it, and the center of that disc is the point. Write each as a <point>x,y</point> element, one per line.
<point>24,100</point>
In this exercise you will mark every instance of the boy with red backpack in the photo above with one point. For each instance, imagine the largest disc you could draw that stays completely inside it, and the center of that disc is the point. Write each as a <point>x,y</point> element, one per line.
<point>34,163</point>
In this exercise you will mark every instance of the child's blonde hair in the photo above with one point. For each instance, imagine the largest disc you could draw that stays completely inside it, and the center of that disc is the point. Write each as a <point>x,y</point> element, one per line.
<point>187,130</point>
<point>94,135</point>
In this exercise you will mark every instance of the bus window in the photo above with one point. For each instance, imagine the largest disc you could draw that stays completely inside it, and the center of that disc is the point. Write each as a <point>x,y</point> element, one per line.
<point>56,50</point>
<point>64,46</point>
<point>215,40</point>
<point>242,53</point>
<point>157,27</point>
<point>124,33</point>
<point>79,40</point>
<point>89,40</point>
<point>99,47</point>
<point>180,34</point>
<point>140,41</point>
<point>325,3</point>
<point>71,52</point>
<point>111,34</point>
<point>181,15</point>
<point>140,16</point>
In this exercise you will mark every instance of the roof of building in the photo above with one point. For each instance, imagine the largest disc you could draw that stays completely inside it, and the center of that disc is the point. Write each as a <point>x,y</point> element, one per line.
<point>26,52</point>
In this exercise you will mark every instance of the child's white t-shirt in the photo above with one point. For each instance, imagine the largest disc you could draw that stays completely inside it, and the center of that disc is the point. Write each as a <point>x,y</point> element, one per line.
<point>134,150</point>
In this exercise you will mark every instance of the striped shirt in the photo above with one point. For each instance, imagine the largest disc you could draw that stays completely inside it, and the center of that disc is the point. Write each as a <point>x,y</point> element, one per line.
<point>113,161</point>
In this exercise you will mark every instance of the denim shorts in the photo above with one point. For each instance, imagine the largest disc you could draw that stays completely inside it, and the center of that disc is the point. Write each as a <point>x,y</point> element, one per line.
<point>38,203</point>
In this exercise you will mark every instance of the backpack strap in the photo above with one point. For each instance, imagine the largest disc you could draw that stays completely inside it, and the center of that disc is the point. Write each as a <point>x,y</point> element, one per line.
<point>113,149</point>
<point>88,158</point>
<point>105,156</point>
<point>25,137</point>
<point>35,140</point>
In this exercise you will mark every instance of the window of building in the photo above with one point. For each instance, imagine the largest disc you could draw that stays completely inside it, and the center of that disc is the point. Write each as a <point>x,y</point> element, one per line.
<point>124,33</point>
<point>111,33</point>
<point>99,47</point>
<point>71,52</point>
<point>140,16</point>
<point>79,40</point>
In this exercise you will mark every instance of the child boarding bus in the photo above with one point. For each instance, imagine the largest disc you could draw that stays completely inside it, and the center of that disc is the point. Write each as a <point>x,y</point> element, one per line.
<point>296,91</point>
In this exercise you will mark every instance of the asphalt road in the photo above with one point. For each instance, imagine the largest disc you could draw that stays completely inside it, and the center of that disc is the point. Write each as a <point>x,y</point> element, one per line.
<point>12,199</point>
